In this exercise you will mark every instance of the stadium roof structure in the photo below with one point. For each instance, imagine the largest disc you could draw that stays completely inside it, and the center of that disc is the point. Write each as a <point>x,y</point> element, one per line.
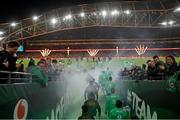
<point>136,14</point>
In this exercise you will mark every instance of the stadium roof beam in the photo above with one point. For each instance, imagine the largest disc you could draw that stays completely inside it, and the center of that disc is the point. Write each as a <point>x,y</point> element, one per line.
<point>146,17</point>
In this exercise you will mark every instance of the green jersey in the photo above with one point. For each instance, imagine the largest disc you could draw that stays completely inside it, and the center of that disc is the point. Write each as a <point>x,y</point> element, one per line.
<point>103,79</point>
<point>109,73</point>
<point>38,75</point>
<point>111,102</point>
<point>109,85</point>
<point>118,113</point>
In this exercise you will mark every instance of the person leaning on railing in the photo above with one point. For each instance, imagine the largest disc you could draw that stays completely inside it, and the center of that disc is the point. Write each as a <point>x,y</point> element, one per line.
<point>171,65</point>
<point>38,74</point>
<point>8,59</point>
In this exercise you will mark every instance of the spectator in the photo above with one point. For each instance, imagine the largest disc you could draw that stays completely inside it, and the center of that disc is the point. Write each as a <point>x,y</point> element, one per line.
<point>171,65</point>
<point>21,67</point>
<point>157,61</point>
<point>8,57</point>
<point>50,72</point>
<point>160,67</point>
<point>125,72</point>
<point>44,65</point>
<point>144,67</point>
<point>38,74</point>
<point>143,72</point>
<point>152,71</point>
<point>8,60</point>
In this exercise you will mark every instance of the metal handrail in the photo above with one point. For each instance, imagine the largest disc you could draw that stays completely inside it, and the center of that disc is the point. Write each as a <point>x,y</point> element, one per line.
<point>9,77</point>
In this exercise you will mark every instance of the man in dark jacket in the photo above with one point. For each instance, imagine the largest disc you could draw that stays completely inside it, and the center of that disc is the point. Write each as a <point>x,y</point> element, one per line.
<point>85,114</point>
<point>93,106</point>
<point>152,71</point>
<point>8,59</point>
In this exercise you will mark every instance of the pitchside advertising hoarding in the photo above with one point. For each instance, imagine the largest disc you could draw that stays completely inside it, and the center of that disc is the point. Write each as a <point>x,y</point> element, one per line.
<point>32,101</point>
<point>147,100</point>
<point>150,99</point>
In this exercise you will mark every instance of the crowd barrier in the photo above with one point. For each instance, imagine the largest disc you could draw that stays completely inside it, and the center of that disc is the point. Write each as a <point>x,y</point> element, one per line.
<point>32,101</point>
<point>149,99</point>
<point>15,77</point>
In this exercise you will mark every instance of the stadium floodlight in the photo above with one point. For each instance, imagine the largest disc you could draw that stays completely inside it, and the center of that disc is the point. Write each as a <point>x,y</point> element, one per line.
<point>171,22</point>
<point>104,13</point>
<point>68,17</point>
<point>177,9</point>
<point>127,12</point>
<point>115,12</point>
<point>165,23</point>
<point>13,24</point>
<point>53,20</point>
<point>35,18</point>
<point>82,14</point>
<point>1,32</point>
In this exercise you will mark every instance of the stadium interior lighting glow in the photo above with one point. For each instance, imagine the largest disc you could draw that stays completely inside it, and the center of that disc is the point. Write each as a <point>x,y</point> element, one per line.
<point>164,23</point>
<point>104,13</point>
<point>13,24</point>
<point>115,12</point>
<point>1,33</point>
<point>177,9</point>
<point>53,20</point>
<point>68,17</point>
<point>82,14</point>
<point>35,18</point>
<point>171,22</point>
<point>127,12</point>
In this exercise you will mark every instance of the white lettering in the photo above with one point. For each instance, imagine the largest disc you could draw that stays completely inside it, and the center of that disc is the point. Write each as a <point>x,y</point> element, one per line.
<point>142,110</point>
<point>52,115</point>
<point>129,96</point>
<point>154,116</point>
<point>57,113</point>
<point>138,109</point>
<point>134,98</point>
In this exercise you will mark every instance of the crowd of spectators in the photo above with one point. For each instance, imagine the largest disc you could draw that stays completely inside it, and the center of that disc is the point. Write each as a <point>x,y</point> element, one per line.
<point>155,70</point>
<point>45,70</point>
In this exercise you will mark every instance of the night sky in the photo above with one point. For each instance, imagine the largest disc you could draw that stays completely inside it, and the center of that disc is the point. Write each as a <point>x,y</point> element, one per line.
<point>11,10</point>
